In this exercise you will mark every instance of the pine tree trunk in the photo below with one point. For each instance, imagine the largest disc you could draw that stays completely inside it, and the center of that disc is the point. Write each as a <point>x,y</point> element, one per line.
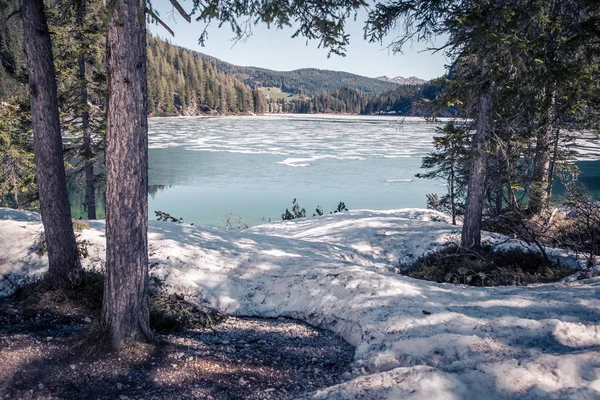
<point>90,196</point>
<point>554,161</point>
<point>125,311</point>
<point>452,196</point>
<point>499,199</point>
<point>471,232</point>
<point>539,198</point>
<point>64,265</point>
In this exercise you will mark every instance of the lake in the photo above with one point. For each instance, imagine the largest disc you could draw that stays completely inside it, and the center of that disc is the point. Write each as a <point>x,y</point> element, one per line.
<point>201,168</point>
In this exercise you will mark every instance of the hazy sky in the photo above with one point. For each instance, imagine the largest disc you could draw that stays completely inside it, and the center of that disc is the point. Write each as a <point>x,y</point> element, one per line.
<point>275,49</point>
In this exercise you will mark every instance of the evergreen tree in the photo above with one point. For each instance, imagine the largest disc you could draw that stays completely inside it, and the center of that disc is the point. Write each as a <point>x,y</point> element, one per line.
<point>79,35</point>
<point>125,308</point>
<point>449,160</point>
<point>64,265</point>
<point>17,168</point>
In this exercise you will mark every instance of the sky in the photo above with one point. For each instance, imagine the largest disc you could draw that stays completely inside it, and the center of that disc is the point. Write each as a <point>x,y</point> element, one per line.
<point>275,49</point>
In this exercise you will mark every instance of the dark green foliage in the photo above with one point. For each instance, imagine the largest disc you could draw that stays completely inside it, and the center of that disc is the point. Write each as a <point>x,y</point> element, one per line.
<point>297,212</point>
<point>412,100</point>
<point>449,160</point>
<point>17,169</point>
<point>163,216</point>
<point>312,19</point>
<point>13,75</point>
<point>341,207</point>
<point>487,268</point>
<point>180,82</point>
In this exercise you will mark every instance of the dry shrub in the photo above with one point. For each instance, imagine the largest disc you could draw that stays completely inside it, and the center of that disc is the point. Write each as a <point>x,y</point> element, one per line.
<point>487,267</point>
<point>79,225</point>
<point>84,299</point>
<point>168,312</point>
<point>171,312</point>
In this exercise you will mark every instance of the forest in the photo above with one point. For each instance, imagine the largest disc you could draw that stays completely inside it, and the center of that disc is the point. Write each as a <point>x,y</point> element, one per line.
<point>185,82</point>
<point>102,302</point>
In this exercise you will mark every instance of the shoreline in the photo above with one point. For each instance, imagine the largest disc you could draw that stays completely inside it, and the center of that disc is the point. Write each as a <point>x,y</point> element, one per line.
<point>315,115</point>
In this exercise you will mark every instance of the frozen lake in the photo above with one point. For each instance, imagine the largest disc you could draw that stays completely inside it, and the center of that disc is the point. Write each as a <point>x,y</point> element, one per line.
<point>200,168</point>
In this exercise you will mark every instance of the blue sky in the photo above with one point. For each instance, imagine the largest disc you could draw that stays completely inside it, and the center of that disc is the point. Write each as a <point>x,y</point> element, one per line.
<point>275,49</point>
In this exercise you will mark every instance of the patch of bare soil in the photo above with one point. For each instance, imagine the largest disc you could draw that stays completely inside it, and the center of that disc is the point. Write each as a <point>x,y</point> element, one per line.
<point>240,358</point>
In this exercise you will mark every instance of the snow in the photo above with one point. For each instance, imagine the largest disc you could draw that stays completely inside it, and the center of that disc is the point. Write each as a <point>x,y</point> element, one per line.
<point>337,272</point>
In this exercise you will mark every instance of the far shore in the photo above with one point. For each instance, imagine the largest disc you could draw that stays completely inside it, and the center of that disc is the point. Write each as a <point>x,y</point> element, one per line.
<point>313,115</point>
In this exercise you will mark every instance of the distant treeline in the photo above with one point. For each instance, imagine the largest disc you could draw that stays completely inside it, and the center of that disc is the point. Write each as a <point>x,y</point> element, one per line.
<point>302,82</point>
<point>409,100</point>
<point>185,82</point>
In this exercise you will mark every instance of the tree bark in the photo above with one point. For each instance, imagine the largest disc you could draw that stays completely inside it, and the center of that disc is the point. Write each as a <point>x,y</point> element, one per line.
<point>125,310</point>
<point>540,192</point>
<point>64,265</point>
<point>90,195</point>
<point>452,196</point>
<point>471,232</point>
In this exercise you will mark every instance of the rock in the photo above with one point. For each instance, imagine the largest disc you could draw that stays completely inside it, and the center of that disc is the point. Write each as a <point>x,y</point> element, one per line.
<point>41,386</point>
<point>73,366</point>
<point>347,376</point>
<point>87,320</point>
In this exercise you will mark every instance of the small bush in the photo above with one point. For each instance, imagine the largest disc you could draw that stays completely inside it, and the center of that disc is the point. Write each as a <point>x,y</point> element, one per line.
<point>79,226</point>
<point>296,213</point>
<point>171,312</point>
<point>487,268</point>
<point>167,312</point>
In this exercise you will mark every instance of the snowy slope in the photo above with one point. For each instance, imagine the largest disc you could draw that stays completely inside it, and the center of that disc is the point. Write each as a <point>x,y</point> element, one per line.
<point>334,272</point>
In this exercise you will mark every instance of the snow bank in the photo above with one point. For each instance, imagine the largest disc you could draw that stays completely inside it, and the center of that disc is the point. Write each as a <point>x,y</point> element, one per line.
<point>414,339</point>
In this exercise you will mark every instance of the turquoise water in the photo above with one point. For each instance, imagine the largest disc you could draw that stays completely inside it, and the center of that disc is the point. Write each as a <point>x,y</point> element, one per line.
<point>202,168</point>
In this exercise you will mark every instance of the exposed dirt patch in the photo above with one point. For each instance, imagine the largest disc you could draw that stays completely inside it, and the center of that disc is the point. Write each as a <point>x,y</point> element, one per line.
<point>241,358</point>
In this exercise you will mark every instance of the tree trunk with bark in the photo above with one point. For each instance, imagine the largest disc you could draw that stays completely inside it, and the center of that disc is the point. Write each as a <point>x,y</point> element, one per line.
<point>539,199</point>
<point>452,195</point>
<point>125,310</point>
<point>64,264</point>
<point>471,232</point>
<point>90,195</point>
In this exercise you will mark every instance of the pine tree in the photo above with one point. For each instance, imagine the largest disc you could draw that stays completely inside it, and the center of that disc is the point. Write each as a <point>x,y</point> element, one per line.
<point>125,308</point>
<point>64,265</point>
<point>450,160</point>
<point>17,168</point>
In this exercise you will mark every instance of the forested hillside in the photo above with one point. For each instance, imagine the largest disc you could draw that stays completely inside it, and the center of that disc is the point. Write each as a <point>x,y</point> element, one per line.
<point>185,82</point>
<point>180,82</point>
<point>306,81</point>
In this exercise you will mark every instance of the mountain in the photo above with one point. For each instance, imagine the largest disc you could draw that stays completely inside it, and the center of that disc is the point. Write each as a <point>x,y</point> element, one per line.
<point>400,80</point>
<point>306,81</point>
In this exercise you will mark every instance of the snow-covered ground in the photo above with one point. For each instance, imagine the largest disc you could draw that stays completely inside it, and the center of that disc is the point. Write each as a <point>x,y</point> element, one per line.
<point>413,339</point>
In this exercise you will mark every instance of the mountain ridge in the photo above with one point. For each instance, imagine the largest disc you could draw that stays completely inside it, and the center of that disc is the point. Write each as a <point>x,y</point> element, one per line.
<point>303,81</point>
<point>400,80</point>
